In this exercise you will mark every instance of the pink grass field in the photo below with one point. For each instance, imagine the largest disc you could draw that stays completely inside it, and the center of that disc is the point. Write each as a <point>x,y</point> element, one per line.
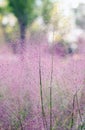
<point>20,89</point>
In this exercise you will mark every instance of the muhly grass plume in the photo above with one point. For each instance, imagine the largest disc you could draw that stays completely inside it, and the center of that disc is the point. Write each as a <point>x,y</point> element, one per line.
<point>21,77</point>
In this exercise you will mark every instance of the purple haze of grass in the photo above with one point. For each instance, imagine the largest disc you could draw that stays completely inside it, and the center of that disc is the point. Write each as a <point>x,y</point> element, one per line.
<point>19,87</point>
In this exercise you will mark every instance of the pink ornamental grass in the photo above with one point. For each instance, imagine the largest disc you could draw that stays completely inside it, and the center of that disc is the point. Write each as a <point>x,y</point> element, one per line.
<point>20,88</point>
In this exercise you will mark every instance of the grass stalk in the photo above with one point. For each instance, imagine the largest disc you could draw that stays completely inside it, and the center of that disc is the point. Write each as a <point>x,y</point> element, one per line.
<point>41,95</point>
<point>51,80</point>
<point>51,94</point>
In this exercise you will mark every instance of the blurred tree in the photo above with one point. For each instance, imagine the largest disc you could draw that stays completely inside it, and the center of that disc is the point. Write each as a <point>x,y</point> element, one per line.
<point>24,10</point>
<point>80,16</point>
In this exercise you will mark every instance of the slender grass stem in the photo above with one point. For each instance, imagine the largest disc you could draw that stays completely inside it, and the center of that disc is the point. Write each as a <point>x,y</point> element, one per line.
<point>41,95</point>
<point>75,99</point>
<point>51,81</point>
<point>51,94</point>
<point>72,117</point>
<point>79,111</point>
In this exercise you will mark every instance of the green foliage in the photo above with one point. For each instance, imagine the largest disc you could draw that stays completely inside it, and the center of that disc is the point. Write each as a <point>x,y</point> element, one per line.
<point>16,122</point>
<point>23,10</point>
<point>80,16</point>
<point>46,9</point>
<point>81,127</point>
<point>3,10</point>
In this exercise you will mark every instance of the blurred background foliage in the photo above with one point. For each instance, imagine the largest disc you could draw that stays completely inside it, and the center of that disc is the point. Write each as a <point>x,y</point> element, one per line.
<point>21,19</point>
